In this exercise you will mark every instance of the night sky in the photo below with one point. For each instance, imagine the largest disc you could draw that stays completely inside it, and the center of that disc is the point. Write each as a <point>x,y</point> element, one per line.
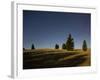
<point>45,29</point>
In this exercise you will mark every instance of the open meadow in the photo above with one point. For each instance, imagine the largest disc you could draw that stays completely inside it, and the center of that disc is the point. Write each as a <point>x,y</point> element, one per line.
<point>53,58</point>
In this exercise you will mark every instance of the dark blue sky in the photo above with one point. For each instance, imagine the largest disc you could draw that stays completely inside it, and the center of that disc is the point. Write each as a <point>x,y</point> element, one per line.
<point>45,29</point>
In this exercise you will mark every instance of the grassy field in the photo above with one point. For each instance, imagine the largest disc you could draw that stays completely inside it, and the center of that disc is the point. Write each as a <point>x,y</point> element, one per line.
<point>52,58</point>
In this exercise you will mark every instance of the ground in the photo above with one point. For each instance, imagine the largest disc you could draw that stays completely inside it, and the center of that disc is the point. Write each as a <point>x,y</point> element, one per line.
<point>52,58</point>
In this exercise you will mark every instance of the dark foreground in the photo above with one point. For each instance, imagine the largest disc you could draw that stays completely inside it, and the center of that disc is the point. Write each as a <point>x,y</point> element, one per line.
<point>49,58</point>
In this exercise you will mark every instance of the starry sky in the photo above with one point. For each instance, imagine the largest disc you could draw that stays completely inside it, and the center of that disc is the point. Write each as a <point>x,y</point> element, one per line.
<point>45,28</point>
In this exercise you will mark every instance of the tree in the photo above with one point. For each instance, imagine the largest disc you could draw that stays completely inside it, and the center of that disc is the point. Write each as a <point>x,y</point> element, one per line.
<point>32,47</point>
<point>63,46</point>
<point>56,46</point>
<point>70,43</point>
<point>84,46</point>
<point>23,48</point>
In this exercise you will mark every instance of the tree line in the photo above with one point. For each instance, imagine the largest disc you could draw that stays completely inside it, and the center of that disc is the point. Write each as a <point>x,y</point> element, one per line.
<point>68,45</point>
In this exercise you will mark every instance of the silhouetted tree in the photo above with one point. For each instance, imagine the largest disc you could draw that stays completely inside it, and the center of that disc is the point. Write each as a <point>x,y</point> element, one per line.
<point>32,47</point>
<point>23,48</point>
<point>63,46</point>
<point>70,43</point>
<point>84,46</point>
<point>56,46</point>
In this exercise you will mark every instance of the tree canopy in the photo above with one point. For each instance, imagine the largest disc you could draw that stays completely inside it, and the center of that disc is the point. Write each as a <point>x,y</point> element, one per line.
<point>32,47</point>
<point>70,43</point>
<point>63,46</point>
<point>84,46</point>
<point>56,46</point>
